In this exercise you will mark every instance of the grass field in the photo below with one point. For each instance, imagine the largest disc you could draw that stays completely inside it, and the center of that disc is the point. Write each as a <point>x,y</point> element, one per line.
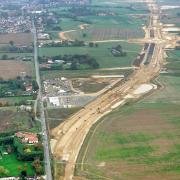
<point>171,16</point>
<point>102,53</point>
<point>173,60</point>
<point>90,85</point>
<point>15,55</point>
<point>15,100</point>
<point>56,116</point>
<point>139,140</point>
<point>104,28</point>
<point>125,22</point>
<point>11,163</point>
<point>81,73</point>
<point>13,120</point>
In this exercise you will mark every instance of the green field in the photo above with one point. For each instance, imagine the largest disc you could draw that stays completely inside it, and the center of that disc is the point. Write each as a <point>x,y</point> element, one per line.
<point>121,19</point>
<point>171,16</point>
<point>10,55</point>
<point>139,140</point>
<point>56,116</point>
<point>102,54</point>
<point>15,100</point>
<point>11,163</point>
<point>173,60</point>
<point>16,120</point>
<point>81,73</point>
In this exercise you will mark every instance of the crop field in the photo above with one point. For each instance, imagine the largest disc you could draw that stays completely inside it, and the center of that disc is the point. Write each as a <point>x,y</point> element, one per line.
<point>18,39</point>
<point>173,60</point>
<point>122,27</point>
<point>18,67</point>
<point>102,53</point>
<point>125,19</point>
<point>68,24</point>
<point>171,16</point>
<point>15,55</point>
<point>138,141</point>
<point>114,2</point>
<point>168,2</point>
<point>12,120</point>
<point>100,34</point>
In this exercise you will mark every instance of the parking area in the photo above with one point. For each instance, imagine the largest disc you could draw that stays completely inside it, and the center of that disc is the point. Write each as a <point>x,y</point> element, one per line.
<point>69,101</point>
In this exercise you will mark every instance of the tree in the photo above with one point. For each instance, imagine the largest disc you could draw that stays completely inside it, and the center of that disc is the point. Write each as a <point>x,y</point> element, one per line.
<point>38,167</point>
<point>35,85</point>
<point>91,44</point>
<point>3,171</point>
<point>11,43</point>
<point>84,35</point>
<point>23,175</point>
<point>4,56</point>
<point>73,66</point>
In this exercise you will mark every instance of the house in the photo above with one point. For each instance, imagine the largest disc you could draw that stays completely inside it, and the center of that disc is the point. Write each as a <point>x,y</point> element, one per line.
<point>54,101</point>
<point>25,108</point>
<point>28,88</point>
<point>27,137</point>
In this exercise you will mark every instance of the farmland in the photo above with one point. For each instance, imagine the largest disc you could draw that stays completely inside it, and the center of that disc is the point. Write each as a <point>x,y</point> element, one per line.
<point>90,85</point>
<point>124,26</point>
<point>81,73</point>
<point>100,34</point>
<point>13,120</point>
<point>139,140</point>
<point>102,53</point>
<point>11,101</point>
<point>126,22</point>
<point>15,55</point>
<point>173,60</point>
<point>18,67</point>
<point>17,38</point>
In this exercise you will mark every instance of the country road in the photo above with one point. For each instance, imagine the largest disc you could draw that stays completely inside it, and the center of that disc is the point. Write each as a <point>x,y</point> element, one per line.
<point>47,158</point>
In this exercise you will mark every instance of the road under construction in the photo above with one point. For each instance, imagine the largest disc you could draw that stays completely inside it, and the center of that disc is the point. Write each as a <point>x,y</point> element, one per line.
<point>69,136</point>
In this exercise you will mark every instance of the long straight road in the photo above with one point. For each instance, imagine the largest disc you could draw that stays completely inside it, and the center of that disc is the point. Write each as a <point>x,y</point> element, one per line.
<point>47,158</point>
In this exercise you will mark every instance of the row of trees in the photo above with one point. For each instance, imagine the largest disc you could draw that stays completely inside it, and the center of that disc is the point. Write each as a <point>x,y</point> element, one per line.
<point>13,48</point>
<point>75,43</point>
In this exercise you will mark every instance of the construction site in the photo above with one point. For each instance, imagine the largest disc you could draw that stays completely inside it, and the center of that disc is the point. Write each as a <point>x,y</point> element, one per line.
<point>68,138</point>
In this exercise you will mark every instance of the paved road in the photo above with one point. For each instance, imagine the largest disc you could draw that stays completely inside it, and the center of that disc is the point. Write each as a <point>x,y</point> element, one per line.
<point>47,157</point>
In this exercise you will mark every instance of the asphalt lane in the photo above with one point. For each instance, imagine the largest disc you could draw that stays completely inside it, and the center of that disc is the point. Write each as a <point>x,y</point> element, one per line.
<point>47,158</point>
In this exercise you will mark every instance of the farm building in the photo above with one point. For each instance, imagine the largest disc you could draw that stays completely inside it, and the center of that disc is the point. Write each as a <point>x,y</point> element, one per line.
<point>26,137</point>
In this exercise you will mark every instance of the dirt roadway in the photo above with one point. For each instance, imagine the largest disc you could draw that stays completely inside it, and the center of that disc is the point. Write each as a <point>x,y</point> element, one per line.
<point>63,37</point>
<point>70,135</point>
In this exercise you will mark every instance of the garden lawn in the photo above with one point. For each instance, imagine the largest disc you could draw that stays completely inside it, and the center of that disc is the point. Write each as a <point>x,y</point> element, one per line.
<point>10,163</point>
